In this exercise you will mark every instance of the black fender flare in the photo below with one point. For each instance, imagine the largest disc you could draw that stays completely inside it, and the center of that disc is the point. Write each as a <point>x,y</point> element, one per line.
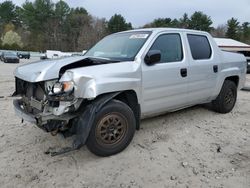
<point>103,99</point>
<point>85,121</point>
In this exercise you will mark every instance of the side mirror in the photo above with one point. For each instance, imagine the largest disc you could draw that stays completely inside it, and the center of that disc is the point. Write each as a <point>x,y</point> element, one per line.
<point>152,57</point>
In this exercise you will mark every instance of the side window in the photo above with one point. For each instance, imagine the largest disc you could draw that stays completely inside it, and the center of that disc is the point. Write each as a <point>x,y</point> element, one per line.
<point>170,47</point>
<point>200,47</point>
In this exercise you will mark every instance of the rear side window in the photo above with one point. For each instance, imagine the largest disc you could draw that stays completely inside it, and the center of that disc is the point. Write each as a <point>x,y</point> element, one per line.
<point>170,47</point>
<point>200,47</point>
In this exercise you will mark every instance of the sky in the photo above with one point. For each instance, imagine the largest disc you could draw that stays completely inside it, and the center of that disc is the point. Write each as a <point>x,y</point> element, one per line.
<point>140,12</point>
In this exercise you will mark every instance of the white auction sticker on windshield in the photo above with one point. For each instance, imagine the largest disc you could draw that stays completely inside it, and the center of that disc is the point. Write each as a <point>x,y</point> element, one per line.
<point>139,36</point>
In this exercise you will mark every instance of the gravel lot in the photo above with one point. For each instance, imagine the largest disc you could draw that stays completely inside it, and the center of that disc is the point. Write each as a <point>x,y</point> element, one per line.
<point>194,147</point>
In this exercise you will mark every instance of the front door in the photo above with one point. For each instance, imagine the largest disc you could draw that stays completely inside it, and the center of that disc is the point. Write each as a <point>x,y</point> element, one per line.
<point>165,83</point>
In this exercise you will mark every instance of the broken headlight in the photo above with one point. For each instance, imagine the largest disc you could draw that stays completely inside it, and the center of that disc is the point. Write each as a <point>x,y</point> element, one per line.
<point>62,87</point>
<point>56,88</point>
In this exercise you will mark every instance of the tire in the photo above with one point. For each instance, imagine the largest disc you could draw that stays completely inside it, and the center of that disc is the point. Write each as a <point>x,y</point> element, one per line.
<point>115,119</point>
<point>225,101</point>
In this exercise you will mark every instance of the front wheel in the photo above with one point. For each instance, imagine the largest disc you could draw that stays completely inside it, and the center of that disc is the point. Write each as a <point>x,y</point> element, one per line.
<point>226,100</point>
<point>113,129</point>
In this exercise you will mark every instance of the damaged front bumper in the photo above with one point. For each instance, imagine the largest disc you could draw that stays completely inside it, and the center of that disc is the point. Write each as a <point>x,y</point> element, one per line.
<point>37,106</point>
<point>40,118</point>
<point>20,112</point>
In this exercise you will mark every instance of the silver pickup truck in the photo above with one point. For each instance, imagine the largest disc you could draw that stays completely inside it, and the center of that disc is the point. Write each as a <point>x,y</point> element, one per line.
<point>101,96</point>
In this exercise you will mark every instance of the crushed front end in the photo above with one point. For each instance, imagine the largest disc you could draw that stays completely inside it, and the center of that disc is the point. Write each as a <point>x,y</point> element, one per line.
<point>51,105</point>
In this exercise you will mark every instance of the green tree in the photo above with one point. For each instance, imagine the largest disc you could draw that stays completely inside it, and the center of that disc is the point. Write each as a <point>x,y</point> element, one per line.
<point>62,10</point>
<point>77,22</point>
<point>118,23</point>
<point>175,23</point>
<point>163,22</point>
<point>80,10</point>
<point>184,21</point>
<point>8,13</point>
<point>45,25</point>
<point>245,30</point>
<point>35,17</point>
<point>233,29</point>
<point>56,32</point>
<point>200,21</point>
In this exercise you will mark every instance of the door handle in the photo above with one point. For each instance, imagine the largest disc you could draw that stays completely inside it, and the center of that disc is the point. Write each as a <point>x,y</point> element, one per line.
<point>215,67</point>
<point>183,72</point>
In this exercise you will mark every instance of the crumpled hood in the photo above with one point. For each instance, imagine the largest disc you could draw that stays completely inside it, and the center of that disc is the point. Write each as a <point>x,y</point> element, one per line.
<point>44,70</point>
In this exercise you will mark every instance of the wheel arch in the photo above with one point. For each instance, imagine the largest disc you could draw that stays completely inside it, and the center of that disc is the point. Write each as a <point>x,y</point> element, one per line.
<point>234,79</point>
<point>128,97</point>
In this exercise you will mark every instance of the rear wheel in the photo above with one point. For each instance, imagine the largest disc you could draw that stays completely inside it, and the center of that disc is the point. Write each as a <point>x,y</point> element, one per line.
<point>113,129</point>
<point>226,100</point>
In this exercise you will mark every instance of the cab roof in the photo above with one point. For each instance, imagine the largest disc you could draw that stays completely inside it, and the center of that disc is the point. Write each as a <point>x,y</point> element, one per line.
<point>162,29</point>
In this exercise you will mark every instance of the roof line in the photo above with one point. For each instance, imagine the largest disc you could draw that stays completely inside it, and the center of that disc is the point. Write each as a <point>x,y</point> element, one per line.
<point>234,46</point>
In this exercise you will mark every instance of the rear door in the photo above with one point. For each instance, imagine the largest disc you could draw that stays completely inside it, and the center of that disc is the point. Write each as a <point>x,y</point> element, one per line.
<point>165,83</point>
<point>203,70</point>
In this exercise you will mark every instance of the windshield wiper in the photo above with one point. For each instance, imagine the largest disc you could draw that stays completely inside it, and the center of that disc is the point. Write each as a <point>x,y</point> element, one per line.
<point>102,60</point>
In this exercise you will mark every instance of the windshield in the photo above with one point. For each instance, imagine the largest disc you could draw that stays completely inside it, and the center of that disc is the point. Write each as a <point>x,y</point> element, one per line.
<point>120,47</point>
<point>10,54</point>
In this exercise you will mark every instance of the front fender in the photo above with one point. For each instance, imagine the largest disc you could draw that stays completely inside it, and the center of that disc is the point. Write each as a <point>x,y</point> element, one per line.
<point>93,81</point>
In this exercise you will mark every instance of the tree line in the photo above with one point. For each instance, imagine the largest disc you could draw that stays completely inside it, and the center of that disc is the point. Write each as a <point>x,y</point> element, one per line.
<point>199,21</point>
<point>41,24</point>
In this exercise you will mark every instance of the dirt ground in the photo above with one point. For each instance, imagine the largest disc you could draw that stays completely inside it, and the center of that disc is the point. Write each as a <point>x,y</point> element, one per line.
<point>194,147</point>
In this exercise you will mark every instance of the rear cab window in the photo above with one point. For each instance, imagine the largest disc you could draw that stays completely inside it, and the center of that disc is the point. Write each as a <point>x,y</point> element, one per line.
<point>199,46</point>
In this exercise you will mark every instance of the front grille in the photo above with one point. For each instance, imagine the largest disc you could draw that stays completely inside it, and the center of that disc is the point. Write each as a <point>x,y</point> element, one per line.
<point>28,89</point>
<point>32,93</point>
<point>21,86</point>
